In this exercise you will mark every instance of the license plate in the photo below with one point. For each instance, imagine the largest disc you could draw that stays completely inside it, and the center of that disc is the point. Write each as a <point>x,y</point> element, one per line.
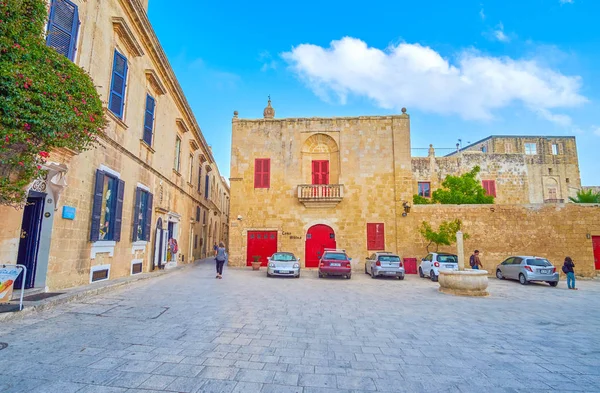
<point>450,266</point>
<point>543,271</point>
<point>335,264</point>
<point>284,272</point>
<point>390,273</point>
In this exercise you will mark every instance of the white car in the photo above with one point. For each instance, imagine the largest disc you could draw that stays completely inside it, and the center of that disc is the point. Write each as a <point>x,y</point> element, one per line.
<point>430,265</point>
<point>284,264</point>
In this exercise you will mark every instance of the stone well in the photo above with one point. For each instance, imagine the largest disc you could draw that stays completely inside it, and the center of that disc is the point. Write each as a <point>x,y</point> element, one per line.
<point>464,283</point>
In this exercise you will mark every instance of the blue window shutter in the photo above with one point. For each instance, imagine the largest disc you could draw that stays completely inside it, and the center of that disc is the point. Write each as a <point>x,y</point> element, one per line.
<point>148,228</point>
<point>119,211</point>
<point>97,206</point>
<point>206,187</point>
<point>117,85</point>
<point>136,213</point>
<point>149,119</point>
<point>200,178</point>
<point>62,27</point>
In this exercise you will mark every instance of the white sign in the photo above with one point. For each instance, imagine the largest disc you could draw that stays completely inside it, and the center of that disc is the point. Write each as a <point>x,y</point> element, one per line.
<point>8,276</point>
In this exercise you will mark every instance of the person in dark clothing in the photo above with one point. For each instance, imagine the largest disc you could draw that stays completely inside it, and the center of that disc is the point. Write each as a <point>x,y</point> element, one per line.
<point>569,270</point>
<point>221,257</point>
<point>474,261</point>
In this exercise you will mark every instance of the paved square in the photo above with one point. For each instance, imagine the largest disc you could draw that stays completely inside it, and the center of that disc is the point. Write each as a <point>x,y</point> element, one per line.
<point>188,332</point>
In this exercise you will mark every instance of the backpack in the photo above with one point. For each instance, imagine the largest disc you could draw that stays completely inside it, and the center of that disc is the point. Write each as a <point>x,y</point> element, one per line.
<point>472,261</point>
<point>564,269</point>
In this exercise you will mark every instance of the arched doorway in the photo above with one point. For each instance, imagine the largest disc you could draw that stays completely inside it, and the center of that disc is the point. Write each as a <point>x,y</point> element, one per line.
<point>159,245</point>
<point>318,238</point>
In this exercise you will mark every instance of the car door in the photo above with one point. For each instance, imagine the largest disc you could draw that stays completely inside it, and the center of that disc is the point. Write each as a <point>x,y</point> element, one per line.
<point>369,262</point>
<point>504,267</point>
<point>515,268</point>
<point>426,265</point>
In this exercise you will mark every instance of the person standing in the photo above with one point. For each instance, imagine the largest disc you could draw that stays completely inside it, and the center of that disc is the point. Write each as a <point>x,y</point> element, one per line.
<point>221,257</point>
<point>569,270</point>
<point>474,261</point>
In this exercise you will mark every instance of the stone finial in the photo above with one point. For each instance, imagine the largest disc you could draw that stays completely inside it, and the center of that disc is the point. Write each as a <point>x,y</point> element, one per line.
<point>403,111</point>
<point>269,112</point>
<point>431,151</point>
<point>235,114</point>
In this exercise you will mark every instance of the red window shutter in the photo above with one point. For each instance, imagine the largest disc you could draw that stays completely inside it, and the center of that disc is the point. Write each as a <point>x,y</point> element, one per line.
<point>316,171</point>
<point>257,173</point>
<point>266,180</point>
<point>493,188</point>
<point>325,172</point>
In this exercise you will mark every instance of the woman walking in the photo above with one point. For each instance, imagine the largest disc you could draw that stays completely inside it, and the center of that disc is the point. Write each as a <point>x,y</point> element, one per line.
<point>569,269</point>
<point>221,257</point>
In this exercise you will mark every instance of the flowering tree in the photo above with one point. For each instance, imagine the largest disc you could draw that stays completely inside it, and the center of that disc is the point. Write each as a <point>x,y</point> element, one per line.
<point>46,101</point>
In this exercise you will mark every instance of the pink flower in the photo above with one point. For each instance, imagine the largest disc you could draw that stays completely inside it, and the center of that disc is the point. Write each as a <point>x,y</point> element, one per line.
<point>92,119</point>
<point>44,154</point>
<point>21,163</point>
<point>83,101</point>
<point>27,126</point>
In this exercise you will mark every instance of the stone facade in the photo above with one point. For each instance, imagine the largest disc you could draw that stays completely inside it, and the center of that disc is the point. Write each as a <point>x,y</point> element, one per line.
<point>174,165</point>
<point>371,181</point>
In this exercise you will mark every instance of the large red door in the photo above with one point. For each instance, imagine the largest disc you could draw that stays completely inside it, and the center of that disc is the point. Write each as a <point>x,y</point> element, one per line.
<point>596,245</point>
<point>261,243</point>
<point>318,238</point>
<point>320,172</point>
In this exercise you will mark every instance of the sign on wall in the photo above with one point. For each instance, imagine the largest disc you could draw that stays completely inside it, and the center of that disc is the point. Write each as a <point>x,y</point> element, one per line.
<point>68,213</point>
<point>8,276</point>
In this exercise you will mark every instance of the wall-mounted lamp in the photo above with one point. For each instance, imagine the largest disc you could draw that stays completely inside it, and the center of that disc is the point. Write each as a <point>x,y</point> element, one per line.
<point>588,236</point>
<point>406,209</point>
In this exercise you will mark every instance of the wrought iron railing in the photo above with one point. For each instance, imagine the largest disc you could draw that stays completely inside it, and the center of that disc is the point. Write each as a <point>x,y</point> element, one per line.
<point>319,192</point>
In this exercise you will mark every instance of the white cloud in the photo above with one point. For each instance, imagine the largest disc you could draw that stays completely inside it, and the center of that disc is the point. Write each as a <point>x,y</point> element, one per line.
<point>499,33</point>
<point>556,118</point>
<point>596,130</point>
<point>567,1</point>
<point>268,62</point>
<point>482,14</point>
<point>419,77</point>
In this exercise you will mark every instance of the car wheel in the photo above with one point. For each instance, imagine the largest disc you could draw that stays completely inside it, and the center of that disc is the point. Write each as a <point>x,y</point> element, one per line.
<point>320,275</point>
<point>522,279</point>
<point>401,277</point>
<point>349,276</point>
<point>499,275</point>
<point>553,283</point>
<point>372,274</point>
<point>433,277</point>
<point>366,272</point>
<point>268,275</point>
<point>421,272</point>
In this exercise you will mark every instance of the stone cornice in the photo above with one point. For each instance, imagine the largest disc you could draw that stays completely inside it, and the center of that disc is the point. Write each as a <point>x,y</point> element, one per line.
<point>155,82</point>
<point>182,126</point>
<point>137,13</point>
<point>121,28</point>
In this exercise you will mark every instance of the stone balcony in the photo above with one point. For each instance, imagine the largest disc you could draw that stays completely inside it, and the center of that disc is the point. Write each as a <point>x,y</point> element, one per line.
<point>320,195</point>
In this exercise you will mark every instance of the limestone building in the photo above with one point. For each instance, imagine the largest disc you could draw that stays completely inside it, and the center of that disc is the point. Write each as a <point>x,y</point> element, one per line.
<point>305,184</point>
<point>151,195</point>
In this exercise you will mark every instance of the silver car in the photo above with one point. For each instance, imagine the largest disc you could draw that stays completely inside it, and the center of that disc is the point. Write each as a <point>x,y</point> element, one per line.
<point>283,264</point>
<point>384,264</point>
<point>526,269</point>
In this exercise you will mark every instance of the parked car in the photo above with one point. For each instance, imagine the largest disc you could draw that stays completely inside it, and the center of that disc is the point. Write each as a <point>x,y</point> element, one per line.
<point>526,269</point>
<point>434,261</point>
<point>283,264</point>
<point>384,263</point>
<point>335,263</point>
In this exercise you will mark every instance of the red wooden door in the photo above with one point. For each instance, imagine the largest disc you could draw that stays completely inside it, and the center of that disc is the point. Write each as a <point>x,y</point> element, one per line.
<point>318,238</point>
<point>320,172</point>
<point>596,245</point>
<point>410,265</point>
<point>262,243</point>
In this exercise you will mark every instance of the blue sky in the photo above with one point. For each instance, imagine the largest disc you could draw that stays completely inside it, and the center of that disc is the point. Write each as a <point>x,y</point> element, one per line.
<point>528,67</point>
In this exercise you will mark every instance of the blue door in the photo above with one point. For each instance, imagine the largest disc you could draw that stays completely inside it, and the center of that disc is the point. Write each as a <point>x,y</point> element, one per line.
<point>30,238</point>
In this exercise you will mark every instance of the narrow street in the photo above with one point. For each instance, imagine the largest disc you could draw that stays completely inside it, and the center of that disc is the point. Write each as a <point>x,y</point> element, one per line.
<point>188,332</point>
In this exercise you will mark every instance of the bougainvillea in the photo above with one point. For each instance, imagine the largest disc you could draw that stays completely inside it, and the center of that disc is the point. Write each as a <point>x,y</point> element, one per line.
<point>46,101</point>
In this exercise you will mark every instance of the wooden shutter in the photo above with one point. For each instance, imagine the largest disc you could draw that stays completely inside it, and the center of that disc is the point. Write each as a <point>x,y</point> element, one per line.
<point>136,214</point>
<point>200,178</point>
<point>197,213</point>
<point>117,85</point>
<point>325,172</point>
<point>206,186</point>
<point>316,172</point>
<point>148,218</point>
<point>149,119</point>
<point>490,187</point>
<point>266,175</point>
<point>62,27</point>
<point>97,206</point>
<point>119,210</point>
<point>258,173</point>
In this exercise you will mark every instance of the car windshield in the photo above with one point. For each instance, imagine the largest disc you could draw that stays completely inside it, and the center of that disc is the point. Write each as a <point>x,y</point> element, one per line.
<point>283,257</point>
<point>538,262</point>
<point>447,258</point>
<point>336,256</point>
<point>389,258</point>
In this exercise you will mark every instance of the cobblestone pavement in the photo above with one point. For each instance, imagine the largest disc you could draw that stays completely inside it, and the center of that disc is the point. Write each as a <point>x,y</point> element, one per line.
<point>188,332</point>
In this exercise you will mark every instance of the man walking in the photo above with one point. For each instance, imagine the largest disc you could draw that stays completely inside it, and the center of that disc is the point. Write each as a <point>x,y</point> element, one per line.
<point>474,261</point>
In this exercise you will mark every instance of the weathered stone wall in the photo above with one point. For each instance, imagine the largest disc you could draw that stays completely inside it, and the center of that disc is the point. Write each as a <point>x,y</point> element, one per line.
<point>500,231</point>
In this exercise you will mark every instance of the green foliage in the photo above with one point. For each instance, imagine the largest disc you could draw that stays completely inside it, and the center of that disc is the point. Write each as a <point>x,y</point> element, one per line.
<point>444,236</point>
<point>589,196</point>
<point>459,190</point>
<point>419,200</point>
<point>46,101</point>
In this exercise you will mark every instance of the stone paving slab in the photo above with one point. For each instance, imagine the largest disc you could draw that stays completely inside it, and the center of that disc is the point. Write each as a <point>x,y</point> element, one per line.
<point>188,332</point>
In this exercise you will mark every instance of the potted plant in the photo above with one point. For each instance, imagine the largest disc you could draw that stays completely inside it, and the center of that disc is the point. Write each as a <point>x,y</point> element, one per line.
<point>256,262</point>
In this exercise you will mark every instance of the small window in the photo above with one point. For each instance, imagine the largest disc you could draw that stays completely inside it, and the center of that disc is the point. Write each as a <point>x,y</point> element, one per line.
<point>252,236</point>
<point>142,215</point>
<point>100,273</point>
<point>197,213</point>
<point>117,85</point>
<point>554,149</point>
<point>484,149</point>
<point>177,163</point>
<point>490,187</point>
<point>424,189</point>
<point>262,173</point>
<point>259,236</point>
<point>200,179</point>
<point>531,148</point>
<point>508,148</point>
<point>149,120</point>
<point>63,24</point>
<point>136,268</point>
<point>108,208</point>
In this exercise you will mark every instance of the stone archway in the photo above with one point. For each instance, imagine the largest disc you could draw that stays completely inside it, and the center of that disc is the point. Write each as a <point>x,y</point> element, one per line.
<point>318,238</point>
<point>320,151</point>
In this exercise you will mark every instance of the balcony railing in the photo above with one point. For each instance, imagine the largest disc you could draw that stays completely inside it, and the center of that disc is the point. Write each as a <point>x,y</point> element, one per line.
<point>554,201</point>
<point>320,195</point>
